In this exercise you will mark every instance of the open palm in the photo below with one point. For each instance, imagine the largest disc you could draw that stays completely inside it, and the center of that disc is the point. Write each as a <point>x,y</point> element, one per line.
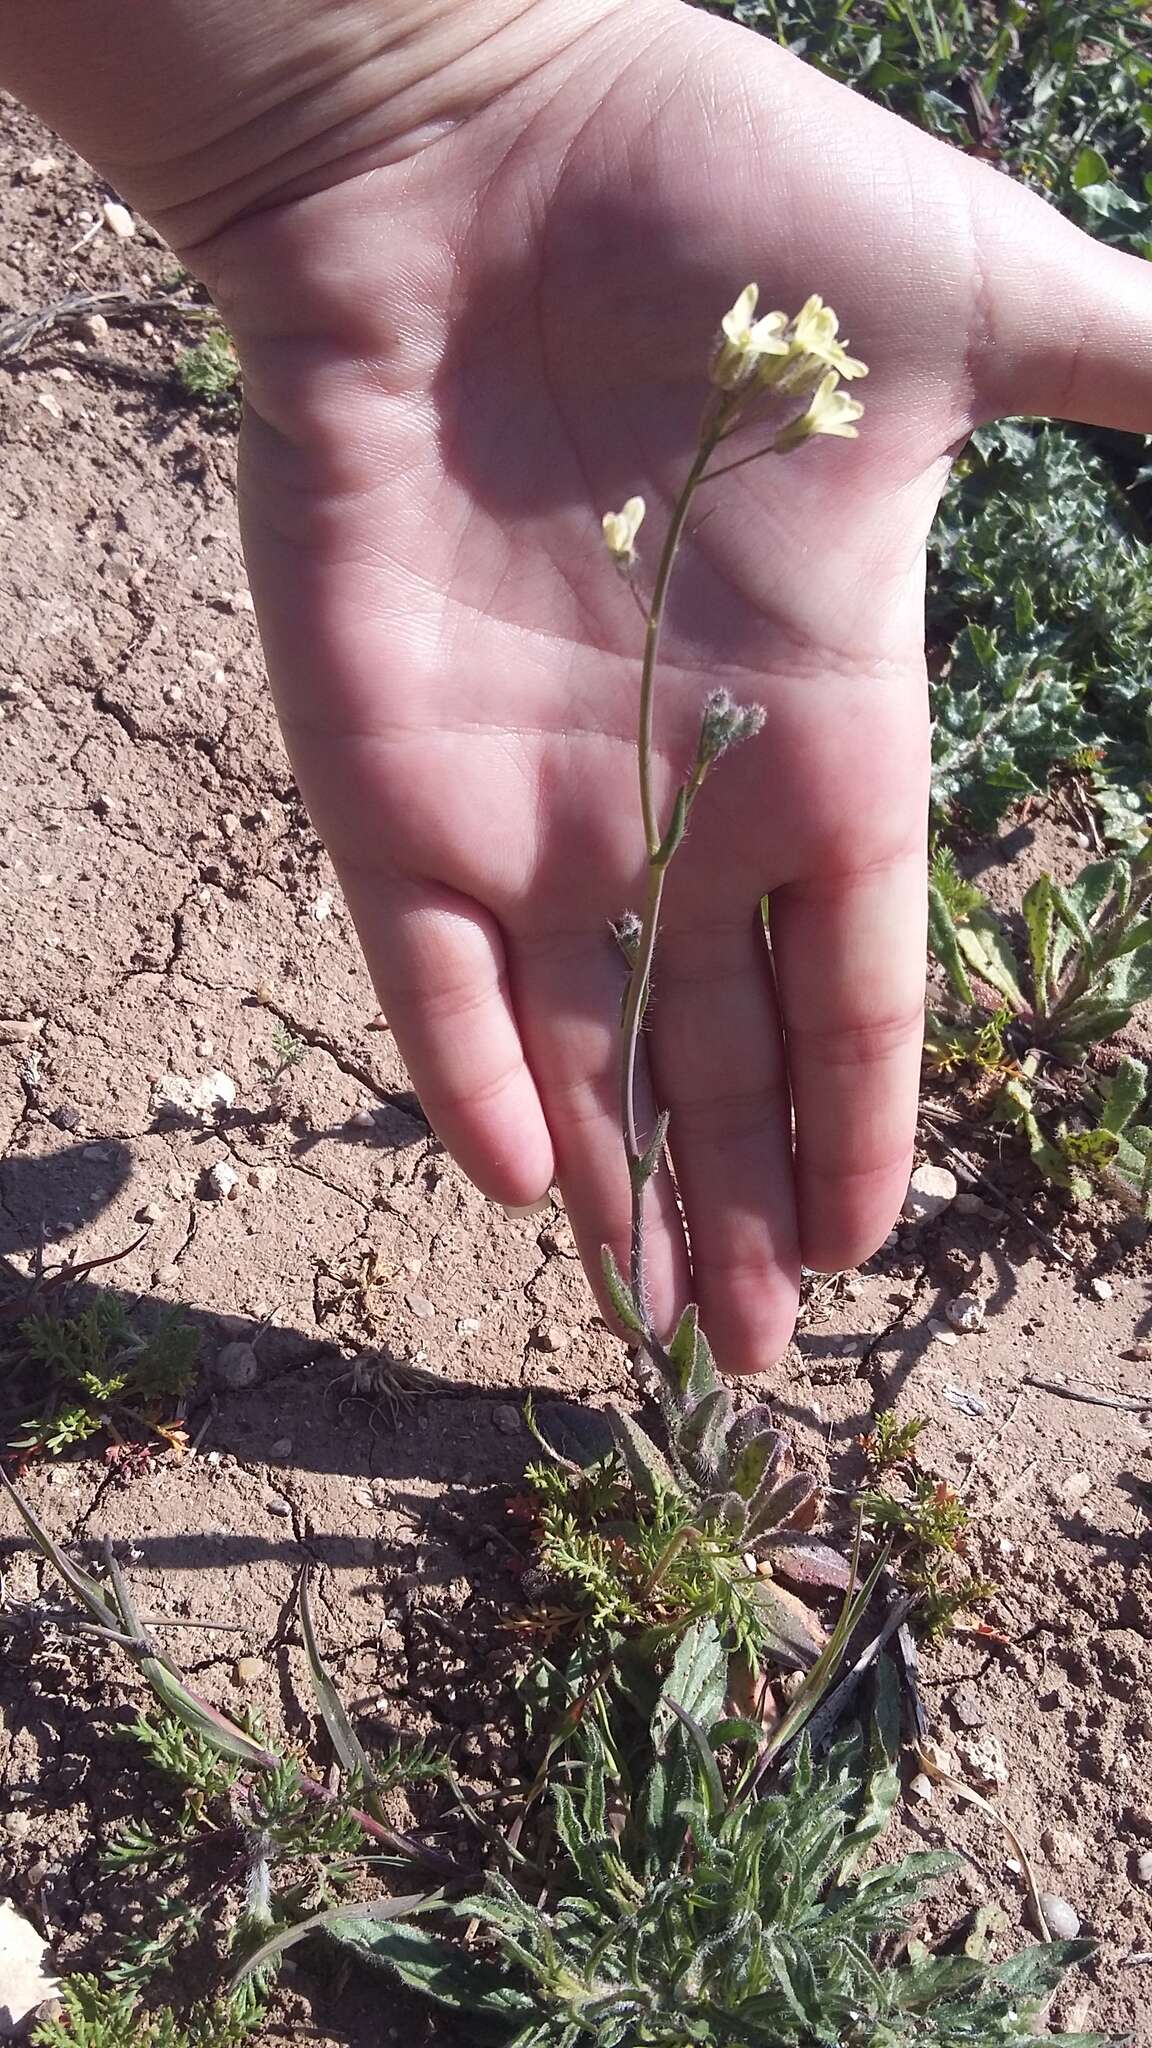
<point>487,343</point>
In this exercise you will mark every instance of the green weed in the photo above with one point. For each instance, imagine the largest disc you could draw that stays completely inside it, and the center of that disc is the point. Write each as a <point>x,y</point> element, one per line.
<point>209,372</point>
<point>1083,969</point>
<point>680,1910</point>
<point>95,1371</point>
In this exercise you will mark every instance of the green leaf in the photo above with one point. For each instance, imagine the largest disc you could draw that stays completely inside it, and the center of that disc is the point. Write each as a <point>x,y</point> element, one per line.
<point>757,1460</point>
<point>1037,1971</point>
<point>985,946</point>
<point>653,1153</point>
<point>706,1756</point>
<point>784,1506</point>
<point>702,1432</point>
<point>1089,168</point>
<point>1038,915</point>
<point>436,1968</point>
<point>620,1294</point>
<point>648,1468</point>
<point>944,939</point>
<point>352,1924</point>
<point>697,1681</point>
<point>350,1752</point>
<point>1126,1091</point>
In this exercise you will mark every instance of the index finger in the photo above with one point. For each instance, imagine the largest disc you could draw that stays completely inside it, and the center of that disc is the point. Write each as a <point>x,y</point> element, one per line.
<point>849,953</point>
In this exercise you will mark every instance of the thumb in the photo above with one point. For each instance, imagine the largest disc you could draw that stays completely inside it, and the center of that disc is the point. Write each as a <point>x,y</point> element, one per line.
<point>1067,321</point>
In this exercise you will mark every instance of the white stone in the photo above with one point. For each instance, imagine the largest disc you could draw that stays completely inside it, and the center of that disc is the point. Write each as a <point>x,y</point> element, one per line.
<point>931,1190</point>
<point>222,1180</point>
<point>117,219</point>
<point>966,1313</point>
<point>24,1981</point>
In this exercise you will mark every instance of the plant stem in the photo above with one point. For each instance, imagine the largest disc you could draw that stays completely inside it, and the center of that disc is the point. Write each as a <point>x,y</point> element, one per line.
<point>640,980</point>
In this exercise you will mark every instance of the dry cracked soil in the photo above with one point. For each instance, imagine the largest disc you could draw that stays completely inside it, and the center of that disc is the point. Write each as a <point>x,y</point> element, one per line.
<point>169,912</point>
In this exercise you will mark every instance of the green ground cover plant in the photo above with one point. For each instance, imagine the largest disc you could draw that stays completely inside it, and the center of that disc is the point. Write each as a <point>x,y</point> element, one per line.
<point>96,1372</point>
<point>1073,972</point>
<point>1048,662</point>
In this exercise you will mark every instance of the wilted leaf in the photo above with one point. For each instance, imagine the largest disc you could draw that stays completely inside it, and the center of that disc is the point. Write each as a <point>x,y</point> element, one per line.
<point>794,1505</point>
<point>806,1564</point>
<point>793,1634</point>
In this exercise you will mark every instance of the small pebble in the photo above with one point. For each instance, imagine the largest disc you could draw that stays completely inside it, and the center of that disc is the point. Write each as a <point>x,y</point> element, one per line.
<point>922,1788</point>
<point>1063,1920</point>
<point>940,1331</point>
<point>173,694</point>
<point>421,1306</point>
<point>41,167</point>
<point>1077,1486</point>
<point>1061,1847</point>
<point>1144,1867</point>
<point>282,1448</point>
<point>262,1177</point>
<point>362,1120</point>
<point>238,601</point>
<point>276,1506</point>
<point>506,1417</point>
<point>150,1213</point>
<point>117,219</point>
<point>236,1366</point>
<point>93,327</point>
<point>931,1190</point>
<point>966,1312</point>
<point>554,1338</point>
<point>249,1670</point>
<point>1102,1289</point>
<point>321,909</point>
<point>66,1118</point>
<point>223,1180</point>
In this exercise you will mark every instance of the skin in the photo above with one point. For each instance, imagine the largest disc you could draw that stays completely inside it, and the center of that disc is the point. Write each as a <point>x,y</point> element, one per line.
<point>474,258</point>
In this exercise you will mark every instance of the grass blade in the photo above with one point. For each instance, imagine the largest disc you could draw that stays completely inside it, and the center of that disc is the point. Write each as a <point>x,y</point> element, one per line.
<point>350,1752</point>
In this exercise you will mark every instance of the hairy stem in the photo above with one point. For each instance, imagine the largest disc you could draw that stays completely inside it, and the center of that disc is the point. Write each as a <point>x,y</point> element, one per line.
<point>713,427</point>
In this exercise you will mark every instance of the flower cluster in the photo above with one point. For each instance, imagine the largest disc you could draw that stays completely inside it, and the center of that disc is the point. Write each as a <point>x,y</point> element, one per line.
<point>801,358</point>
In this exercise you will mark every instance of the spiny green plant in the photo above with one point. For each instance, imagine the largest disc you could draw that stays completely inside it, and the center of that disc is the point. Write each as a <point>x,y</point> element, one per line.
<point>1057,91</point>
<point>94,1371</point>
<point>680,1909</point>
<point>1028,669</point>
<point>209,372</point>
<point>1088,964</point>
<point>1085,970</point>
<point>1048,664</point>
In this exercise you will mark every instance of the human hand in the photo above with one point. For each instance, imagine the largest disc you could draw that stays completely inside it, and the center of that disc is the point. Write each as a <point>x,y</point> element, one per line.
<point>489,324</point>
<point>454,364</point>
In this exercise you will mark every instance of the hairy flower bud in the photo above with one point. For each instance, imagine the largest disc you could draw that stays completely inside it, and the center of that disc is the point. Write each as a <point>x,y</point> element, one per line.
<point>725,723</point>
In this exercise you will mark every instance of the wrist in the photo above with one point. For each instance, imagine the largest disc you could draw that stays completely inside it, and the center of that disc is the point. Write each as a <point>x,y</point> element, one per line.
<point>202,113</point>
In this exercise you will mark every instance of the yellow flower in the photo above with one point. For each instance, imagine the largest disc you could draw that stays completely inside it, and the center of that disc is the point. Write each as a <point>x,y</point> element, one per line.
<point>620,530</point>
<point>813,348</point>
<point>745,342</point>
<point>830,411</point>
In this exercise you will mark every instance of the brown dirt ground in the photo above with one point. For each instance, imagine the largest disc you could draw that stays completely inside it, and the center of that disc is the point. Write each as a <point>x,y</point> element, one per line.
<point>166,904</point>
